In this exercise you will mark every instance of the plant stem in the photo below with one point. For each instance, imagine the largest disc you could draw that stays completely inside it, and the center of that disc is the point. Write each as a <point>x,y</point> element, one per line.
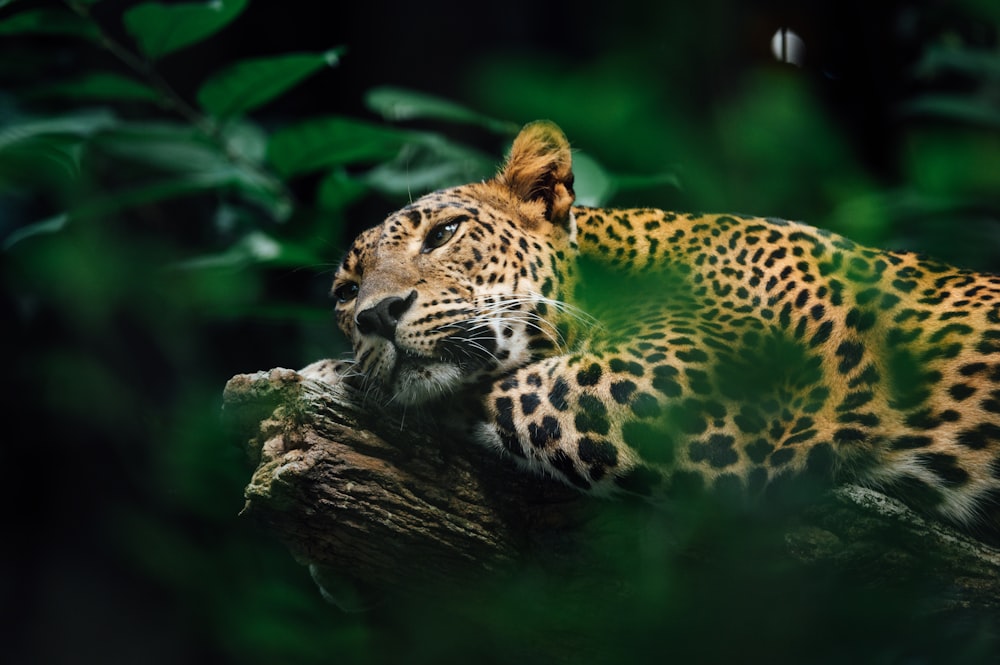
<point>170,98</point>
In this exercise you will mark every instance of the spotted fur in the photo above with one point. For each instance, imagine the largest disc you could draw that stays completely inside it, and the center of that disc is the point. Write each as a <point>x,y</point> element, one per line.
<point>648,352</point>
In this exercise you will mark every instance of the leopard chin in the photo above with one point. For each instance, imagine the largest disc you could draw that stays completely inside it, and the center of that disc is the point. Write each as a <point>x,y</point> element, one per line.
<point>401,376</point>
<point>419,382</point>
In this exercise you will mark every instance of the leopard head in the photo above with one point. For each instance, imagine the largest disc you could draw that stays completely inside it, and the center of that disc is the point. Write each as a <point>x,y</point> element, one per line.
<point>467,283</point>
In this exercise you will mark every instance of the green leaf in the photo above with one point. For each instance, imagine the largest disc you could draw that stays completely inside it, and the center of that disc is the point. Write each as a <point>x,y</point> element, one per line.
<point>161,29</point>
<point>48,148</point>
<point>81,124</point>
<point>98,86</point>
<point>338,190</point>
<point>971,62</point>
<point>251,83</point>
<point>332,141</point>
<point>397,104</point>
<point>187,163</point>
<point>51,225</point>
<point>960,108</point>
<point>428,164</point>
<point>49,22</point>
<point>164,146</point>
<point>188,184</point>
<point>255,247</point>
<point>49,159</point>
<point>245,140</point>
<point>593,185</point>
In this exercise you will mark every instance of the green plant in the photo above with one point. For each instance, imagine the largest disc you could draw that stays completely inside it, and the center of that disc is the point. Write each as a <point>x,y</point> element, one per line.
<point>158,236</point>
<point>131,120</point>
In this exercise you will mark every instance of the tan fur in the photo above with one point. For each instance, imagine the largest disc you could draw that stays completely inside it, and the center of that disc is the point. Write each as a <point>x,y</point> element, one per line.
<point>643,351</point>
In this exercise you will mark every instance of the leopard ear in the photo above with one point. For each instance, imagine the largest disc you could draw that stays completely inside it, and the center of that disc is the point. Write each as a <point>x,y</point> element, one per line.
<point>539,168</point>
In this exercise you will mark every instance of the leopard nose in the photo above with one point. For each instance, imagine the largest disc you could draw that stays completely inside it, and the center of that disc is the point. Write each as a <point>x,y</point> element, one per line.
<point>383,317</point>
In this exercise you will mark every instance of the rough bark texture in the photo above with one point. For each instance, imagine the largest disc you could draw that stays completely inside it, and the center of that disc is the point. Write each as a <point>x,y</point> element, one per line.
<point>360,497</point>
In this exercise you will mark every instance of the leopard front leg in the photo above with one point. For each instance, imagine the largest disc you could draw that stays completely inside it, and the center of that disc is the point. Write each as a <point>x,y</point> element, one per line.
<point>596,427</point>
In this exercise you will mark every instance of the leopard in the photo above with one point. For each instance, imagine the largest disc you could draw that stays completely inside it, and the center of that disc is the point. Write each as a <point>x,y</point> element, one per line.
<point>638,352</point>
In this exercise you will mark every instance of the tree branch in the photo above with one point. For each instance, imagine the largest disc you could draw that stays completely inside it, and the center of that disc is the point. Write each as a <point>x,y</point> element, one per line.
<point>358,496</point>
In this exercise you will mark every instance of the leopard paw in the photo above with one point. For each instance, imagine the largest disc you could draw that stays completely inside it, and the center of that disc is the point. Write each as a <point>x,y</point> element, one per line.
<point>328,371</point>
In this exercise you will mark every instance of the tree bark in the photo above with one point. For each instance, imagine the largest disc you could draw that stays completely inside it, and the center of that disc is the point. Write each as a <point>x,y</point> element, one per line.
<point>364,498</point>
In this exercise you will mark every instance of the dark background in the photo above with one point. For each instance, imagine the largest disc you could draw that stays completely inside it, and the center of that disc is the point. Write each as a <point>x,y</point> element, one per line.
<point>121,489</point>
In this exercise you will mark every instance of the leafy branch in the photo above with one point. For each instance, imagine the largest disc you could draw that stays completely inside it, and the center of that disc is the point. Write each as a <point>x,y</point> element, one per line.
<point>217,147</point>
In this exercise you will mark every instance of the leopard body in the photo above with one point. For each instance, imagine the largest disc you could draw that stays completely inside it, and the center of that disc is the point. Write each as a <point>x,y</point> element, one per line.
<point>651,353</point>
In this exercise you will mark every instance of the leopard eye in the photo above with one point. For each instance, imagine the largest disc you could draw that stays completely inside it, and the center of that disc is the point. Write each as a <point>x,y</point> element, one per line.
<point>346,292</point>
<point>440,235</point>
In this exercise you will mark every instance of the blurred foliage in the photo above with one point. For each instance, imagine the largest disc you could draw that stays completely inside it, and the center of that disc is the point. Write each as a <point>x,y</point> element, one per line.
<point>178,180</point>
